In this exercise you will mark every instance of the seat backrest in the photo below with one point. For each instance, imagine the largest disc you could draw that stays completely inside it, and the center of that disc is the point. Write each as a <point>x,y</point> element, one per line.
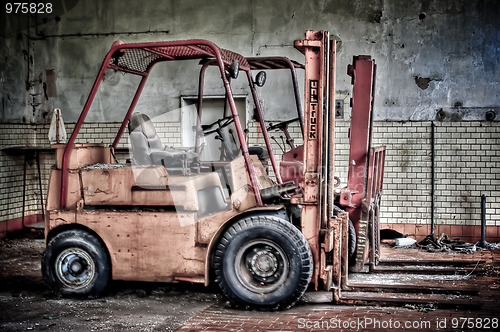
<point>231,147</point>
<point>143,138</point>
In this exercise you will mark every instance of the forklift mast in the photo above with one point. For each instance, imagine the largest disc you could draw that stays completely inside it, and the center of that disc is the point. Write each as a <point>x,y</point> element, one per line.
<point>319,90</point>
<point>361,197</point>
<point>322,222</point>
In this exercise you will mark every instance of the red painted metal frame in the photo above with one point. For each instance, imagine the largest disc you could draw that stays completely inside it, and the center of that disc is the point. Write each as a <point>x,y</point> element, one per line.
<point>362,72</point>
<point>330,141</point>
<point>375,173</point>
<point>372,203</point>
<point>260,116</point>
<point>129,112</point>
<point>200,105</point>
<point>265,63</point>
<point>203,49</point>
<point>258,107</point>
<point>317,78</point>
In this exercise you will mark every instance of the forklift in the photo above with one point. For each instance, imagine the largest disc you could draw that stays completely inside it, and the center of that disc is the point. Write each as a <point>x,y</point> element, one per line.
<point>187,214</point>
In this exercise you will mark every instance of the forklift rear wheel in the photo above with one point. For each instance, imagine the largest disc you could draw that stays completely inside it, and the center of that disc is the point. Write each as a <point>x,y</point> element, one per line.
<point>264,263</point>
<point>76,263</point>
<point>352,239</point>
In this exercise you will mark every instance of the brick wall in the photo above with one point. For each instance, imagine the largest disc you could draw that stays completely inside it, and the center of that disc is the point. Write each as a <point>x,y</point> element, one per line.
<point>467,165</point>
<point>12,164</point>
<point>11,175</point>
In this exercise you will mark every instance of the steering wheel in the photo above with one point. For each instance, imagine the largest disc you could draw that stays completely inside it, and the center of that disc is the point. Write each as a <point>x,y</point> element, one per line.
<point>230,147</point>
<point>281,125</point>
<point>224,122</point>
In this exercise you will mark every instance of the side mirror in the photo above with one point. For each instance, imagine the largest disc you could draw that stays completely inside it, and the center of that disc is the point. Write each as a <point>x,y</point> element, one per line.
<point>234,69</point>
<point>119,53</point>
<point>260,79</point>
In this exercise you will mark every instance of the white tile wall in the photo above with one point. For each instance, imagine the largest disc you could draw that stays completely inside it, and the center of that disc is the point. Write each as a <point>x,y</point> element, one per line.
<point>467,166</point>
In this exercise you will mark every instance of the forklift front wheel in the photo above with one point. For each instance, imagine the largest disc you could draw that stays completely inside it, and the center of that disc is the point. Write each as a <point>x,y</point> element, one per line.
<point>263,263</point>
<point>75,263</point>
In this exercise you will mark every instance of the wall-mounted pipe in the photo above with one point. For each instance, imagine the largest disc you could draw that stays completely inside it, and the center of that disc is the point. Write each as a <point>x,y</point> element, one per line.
<point>483,221</point>
<point>41,36</point>
<point>433,178</point>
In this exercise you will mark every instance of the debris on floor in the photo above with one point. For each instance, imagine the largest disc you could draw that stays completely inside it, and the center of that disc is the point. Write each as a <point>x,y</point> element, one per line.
<point>404,241</point>
<point>492,246</point>
<point>443,243</point>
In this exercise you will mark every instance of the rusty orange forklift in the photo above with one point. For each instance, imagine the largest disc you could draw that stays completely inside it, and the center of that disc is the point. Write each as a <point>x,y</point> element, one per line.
<point>186,214</point>
<point>353,271</point>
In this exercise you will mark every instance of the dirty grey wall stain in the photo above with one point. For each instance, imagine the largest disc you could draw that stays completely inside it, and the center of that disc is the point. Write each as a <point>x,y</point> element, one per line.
<point>369,11</point>
<point>447,45</point>
<point>50,83</point>
<point>422,82</point>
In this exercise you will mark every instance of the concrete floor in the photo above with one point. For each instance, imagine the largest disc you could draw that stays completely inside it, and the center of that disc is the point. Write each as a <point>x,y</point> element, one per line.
<point>26,304</point>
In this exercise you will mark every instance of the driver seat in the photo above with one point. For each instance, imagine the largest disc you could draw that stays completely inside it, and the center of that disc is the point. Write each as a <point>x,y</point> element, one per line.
<point>147,148</point>
<point>231,147</point>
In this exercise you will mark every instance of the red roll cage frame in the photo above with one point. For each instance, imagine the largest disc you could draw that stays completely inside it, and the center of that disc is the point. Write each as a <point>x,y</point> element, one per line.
<point>139,59</point>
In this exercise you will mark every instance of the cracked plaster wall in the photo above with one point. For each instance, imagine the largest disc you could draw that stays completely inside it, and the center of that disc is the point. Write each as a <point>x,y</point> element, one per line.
<point>433,55</point>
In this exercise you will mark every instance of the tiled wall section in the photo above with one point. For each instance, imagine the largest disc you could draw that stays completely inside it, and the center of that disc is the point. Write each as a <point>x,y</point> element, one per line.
<point>12,170</point>
<point>12,163</point>
<point>467,166</point>
<point>467,161</point>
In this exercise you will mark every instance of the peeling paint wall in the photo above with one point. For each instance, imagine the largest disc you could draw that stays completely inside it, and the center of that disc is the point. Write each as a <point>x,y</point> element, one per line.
<point>438,60</point>
<point>432,55</point>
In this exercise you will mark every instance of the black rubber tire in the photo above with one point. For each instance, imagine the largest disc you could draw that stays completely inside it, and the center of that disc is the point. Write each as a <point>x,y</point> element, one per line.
<point>352,239</point>
<point>76,249</point>
<point>263,263</point>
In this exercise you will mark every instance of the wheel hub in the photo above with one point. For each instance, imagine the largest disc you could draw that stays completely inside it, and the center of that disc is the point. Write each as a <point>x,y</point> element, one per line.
<point>75,268</point>
<point>264,263</point>
<point>262,266</point>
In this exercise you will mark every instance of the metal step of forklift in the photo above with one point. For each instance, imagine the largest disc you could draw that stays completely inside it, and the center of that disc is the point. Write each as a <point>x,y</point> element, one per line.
<point>427,269</point>
<point>413,283</point>
<point>432,262</point>
<point>39,225</point>
<point>419,288</point>
<point>410,298</point>
<point>449,266</point>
